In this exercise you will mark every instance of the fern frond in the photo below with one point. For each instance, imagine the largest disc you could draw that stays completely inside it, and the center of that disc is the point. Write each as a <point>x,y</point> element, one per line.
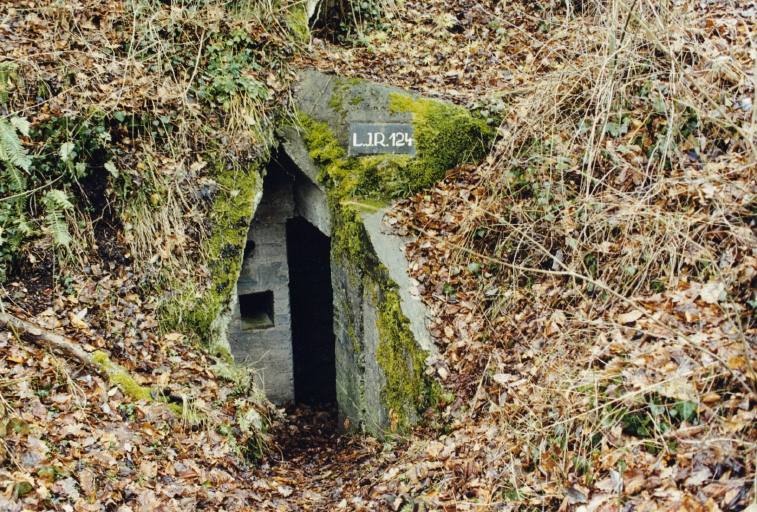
<point>11,150</point>
<point>58,198</point>
<point>56,202</point>
<point>22,225</point>
<point>56,223</point>
<point>22,125</point>
<point>15,180</point>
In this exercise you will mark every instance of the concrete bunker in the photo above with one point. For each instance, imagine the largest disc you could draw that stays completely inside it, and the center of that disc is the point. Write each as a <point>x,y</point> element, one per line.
<point>283,326</point>
<point>324,309</point>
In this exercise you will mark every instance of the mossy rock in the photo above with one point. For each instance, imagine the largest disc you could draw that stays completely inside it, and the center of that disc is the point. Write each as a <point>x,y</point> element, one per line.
<point>445,135</point>
<point>391,389</point>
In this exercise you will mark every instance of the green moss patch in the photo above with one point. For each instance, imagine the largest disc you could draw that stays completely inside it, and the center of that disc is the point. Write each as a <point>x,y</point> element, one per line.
<point>194,312</point>
<point>445,135</point>
<point>297,21</point>
<point>408,391</point>
<point>120,377</point>
<point>374,177</point>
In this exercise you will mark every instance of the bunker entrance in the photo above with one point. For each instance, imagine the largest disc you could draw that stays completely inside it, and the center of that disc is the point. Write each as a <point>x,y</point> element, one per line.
<point>284,324</point>
<point>312,313</point>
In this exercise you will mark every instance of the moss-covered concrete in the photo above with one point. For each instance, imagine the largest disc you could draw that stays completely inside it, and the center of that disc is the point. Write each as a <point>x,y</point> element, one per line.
<point>198,313</point>
<point>446,136</point>
<point>369,177</point>
<point>408,390</point>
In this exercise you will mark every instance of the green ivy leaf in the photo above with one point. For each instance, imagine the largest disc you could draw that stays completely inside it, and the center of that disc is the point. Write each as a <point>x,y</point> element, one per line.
<point>66,151</point>
<point>111,168</point>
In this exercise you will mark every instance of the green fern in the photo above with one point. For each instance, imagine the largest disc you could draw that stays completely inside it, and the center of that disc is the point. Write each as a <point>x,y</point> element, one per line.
<point>56,203</point>
<point>14,166</point>
<point>11,150</point>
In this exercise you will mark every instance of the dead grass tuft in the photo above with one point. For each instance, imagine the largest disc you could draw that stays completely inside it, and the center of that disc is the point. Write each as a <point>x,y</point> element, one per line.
<point>596,273</point>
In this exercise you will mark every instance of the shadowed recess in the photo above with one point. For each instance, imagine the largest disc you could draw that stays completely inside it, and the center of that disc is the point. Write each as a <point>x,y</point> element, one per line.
<point>312,313</point>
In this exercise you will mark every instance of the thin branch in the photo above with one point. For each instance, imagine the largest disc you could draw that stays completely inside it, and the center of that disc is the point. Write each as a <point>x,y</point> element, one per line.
<point>50,340</point>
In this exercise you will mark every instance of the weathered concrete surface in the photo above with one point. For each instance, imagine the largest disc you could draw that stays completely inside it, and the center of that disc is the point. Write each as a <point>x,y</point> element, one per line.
<point>287,193</point>
<point>310,196</point>
<point>268,350</point>
<point>311,203</point>
<point>359,377</point>
<point>349,350</point>
<point>388,248</point>
<point>340,101</point>
<point>311,8</point>
<point>375,414</point>
<point>294,147</point>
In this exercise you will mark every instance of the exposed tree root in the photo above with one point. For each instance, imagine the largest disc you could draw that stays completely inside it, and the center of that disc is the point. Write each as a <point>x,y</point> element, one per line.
<point>97,361</point>
<point>52,341</point>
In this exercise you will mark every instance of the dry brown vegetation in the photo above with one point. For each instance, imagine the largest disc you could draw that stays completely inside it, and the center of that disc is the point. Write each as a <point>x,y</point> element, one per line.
<point>603,295</point>
<point>132,112</point>
<point>146,94</point>
<point>591,283</point>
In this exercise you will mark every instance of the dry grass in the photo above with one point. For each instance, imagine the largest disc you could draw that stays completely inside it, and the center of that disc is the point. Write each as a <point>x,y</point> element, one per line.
<point>629,171</point>
<point>148,60</point>
<point>643,216</point>
<point>610,327</point>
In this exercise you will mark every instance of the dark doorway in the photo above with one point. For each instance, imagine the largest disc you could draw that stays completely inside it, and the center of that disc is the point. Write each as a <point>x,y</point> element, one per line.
<point>312,313</point>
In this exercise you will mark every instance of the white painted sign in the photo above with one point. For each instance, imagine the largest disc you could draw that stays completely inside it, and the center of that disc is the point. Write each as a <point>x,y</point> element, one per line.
<point>377,138</point>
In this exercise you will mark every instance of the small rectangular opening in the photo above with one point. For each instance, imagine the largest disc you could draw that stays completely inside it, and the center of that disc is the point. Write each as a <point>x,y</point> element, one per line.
<point>256,310</point>
<point>249,249</point>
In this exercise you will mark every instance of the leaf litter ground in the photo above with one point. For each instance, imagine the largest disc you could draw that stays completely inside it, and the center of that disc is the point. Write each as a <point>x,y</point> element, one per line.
<point>563,399</point>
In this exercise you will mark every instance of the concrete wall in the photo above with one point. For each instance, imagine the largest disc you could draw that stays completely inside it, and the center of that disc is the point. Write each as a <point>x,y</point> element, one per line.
<point>349,344</point>
<point>311,203</point>
<point>269,350</point>
<point>361,381</point>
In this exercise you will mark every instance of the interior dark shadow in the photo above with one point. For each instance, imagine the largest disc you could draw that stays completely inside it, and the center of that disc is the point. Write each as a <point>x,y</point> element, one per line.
<point>312,313</point>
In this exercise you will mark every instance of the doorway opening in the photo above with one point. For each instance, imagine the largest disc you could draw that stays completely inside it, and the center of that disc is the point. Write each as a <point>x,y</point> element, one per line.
<point>313,351</point>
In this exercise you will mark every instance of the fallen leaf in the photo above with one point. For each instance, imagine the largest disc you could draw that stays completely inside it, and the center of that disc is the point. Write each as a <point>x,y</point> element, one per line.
<point>712,292</point>
<point>629,317</point>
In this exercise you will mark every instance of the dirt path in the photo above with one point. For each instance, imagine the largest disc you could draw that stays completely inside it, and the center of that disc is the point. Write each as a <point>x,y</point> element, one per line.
<point>314,466</point>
